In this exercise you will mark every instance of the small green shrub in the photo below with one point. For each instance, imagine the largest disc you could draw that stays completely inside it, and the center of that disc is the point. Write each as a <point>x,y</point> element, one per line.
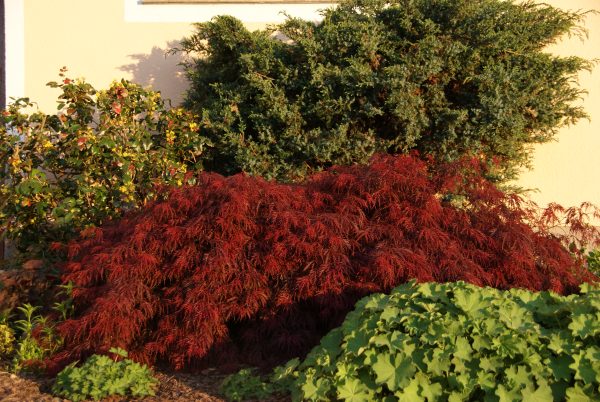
<point>245,384</point>
<point>65,307</point>
<point>439,76</point>
<point>100,376</point>
<point>99,156</point>
<point>37,339</point>
<point>457,342</point>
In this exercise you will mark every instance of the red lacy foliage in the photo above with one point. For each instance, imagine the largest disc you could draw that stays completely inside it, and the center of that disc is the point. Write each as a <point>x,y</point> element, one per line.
<point>239,267</point>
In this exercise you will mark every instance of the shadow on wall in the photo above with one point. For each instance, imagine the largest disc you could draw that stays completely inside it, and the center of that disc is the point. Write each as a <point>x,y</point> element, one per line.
<point>161,71</point>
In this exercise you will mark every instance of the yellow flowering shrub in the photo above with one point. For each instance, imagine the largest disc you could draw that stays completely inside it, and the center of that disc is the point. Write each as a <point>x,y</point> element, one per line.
<point>101,154</point>
<point>7,339</point>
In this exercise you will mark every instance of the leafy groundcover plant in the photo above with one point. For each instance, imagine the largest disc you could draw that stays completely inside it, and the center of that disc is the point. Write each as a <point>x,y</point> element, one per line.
<point>451,342</point>
<point>240,268</point>
<point>100,377</point>
<point>443,77</point>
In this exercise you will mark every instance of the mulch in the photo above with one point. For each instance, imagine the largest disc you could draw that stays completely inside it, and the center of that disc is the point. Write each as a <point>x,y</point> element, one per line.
<point>177,387</point>
<point>173,386</point>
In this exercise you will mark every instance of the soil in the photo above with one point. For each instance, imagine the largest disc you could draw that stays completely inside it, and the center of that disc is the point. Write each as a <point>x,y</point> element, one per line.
<point>173,386</point>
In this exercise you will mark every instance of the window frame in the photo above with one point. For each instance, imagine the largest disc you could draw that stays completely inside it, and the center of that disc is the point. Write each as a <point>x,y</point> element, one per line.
<point>248,11</point>
<point>198,2</point>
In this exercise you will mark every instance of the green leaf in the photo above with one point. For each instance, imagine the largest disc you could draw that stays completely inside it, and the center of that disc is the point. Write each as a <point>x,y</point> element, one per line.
<point>353,390</point>
<point>490,364</point>
<point>585,325</point>
<point>118,351</point>
<point>434,291</point>
<point>508,394</point>
<point>518,376</point>
<point>331,342</point>
<point>315,389</point>
<point>577,394</point>
<point>513,317</point>
<point>486,380</point>
<point>463,349</point>
<point>356,341</point>
<point>382,340</point>
<point>431,391</point>
<point>559,343</point>
<point>410,393</point>
<point>469,301</point>
<point>542,394</point>
<point>583,368</point>
<point>458,396</point>
<point>440,362</point>
<point>107,142</point>
<point>377,302</point>
<point>560,367</point>
<point>390,313</point>
<point>394,371</point>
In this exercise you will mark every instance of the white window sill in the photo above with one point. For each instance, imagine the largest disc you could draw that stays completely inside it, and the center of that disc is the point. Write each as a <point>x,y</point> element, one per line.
<point>254,11</point>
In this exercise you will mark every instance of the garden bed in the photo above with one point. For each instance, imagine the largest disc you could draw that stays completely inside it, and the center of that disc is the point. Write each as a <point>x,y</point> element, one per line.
<point>173,386</point>
<point>247,228</point>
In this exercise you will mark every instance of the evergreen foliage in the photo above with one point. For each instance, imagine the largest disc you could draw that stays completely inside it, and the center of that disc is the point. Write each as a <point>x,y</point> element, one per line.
<point>242,268</point>
<point>445,77</point>
<point>452,342</point>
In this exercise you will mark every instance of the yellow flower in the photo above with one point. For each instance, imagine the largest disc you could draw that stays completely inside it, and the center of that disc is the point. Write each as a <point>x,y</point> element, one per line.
<point>170,137</point>
<point>7,339</point>
<point>14,161</point>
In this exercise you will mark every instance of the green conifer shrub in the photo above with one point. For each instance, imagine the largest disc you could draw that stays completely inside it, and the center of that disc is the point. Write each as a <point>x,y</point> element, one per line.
<point>445,77</point>
<point>452,342</point>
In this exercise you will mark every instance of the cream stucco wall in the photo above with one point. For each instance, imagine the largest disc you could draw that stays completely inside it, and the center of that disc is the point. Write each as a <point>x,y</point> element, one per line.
<point>103,40</point>
<point>567,170</point>
<point>92,39</point>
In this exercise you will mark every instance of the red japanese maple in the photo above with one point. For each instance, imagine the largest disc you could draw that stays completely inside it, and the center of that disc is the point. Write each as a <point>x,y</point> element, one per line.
<point>243,268</point>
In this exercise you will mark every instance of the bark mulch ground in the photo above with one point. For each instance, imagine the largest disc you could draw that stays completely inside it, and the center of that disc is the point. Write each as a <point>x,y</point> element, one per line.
<point>173,386</point>
<point>177,387</point>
